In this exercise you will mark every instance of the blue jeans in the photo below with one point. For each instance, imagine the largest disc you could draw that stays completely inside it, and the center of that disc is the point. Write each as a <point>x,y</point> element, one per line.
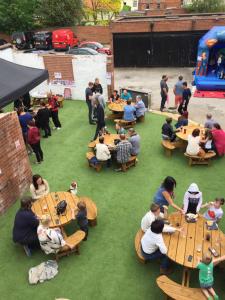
<point>155,255</point>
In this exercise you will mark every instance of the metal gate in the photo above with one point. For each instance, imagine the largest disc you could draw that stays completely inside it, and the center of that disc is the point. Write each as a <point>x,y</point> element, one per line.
<point>156,49</point>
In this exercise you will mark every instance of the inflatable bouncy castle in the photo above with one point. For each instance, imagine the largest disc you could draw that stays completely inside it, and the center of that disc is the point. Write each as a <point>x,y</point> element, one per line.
<point>210,69</point>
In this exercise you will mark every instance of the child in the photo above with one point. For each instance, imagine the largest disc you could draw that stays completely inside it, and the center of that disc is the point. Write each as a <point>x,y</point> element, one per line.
<point>120,129</point>
<point>208,142</point>
<point>214,212</point>
<point>206,275</point>
<point>81,215</point>
<point>73,188</point>
<point>192,199</point>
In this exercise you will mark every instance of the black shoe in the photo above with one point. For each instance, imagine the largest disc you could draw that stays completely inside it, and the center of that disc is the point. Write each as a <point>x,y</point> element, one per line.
<point>92,123</point>
<point>45,136</point>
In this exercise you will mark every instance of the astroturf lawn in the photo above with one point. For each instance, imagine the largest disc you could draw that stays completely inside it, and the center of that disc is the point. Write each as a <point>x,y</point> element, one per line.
<point>107,267</point>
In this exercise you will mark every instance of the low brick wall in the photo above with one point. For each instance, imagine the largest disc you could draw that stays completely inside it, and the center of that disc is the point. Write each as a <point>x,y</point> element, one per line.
<point>93,33</point>
<point>15,170</point>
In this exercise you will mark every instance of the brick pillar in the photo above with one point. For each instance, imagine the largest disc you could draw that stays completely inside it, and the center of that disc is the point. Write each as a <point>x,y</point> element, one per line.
<point>15,170</point>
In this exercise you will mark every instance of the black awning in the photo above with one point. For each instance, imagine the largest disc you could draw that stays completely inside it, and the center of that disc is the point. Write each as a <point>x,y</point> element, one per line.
<point>17,80</point>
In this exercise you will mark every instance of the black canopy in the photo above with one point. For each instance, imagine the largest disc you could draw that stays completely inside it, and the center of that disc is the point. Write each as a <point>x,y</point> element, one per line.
<point>17,80</point>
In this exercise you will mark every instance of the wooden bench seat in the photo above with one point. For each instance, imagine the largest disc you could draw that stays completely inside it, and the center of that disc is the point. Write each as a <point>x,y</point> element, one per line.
<point>130,163</point>
<point>91,211</point>
<point>176,291</point>
<point>114,116</point>
<point>168,146</point>
<point>125,124</point>
<point>137,244</point>
<point>98,166</point>
<point>197,160</point>
<point>74,240</point>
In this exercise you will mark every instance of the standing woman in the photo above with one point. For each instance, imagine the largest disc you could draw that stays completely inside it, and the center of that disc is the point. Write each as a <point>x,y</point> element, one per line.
<point>39,187</point>
<point>165,194</point>
<point>34,139</point>
<point>52,100</point>
<point>97,87</point>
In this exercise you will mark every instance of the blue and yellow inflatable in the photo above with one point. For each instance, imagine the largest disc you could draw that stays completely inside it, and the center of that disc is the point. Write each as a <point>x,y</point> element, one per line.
<point>210,69</point>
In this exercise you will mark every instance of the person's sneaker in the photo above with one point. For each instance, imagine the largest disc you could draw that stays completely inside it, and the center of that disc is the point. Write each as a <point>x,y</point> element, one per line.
<point>166,271</point>
<point>118,170</point>
<point>54,128</point>
<point>27,251</point>
<point>45,136</point>
<point>58,128</point>
<point>37,162</point>
<point>92,123</point>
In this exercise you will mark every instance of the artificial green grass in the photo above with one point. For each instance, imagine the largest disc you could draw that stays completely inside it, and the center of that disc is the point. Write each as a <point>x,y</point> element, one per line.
<point>107,267</point>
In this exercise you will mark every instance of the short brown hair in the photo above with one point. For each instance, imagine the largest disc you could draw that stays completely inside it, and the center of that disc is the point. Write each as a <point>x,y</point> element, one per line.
<point>128,102</point>
<point>81,205</point>
<point>26,202</point>
<point>101,139</point>
<point>169,120</point>
<point>195,132</point>
<point>154,207</point>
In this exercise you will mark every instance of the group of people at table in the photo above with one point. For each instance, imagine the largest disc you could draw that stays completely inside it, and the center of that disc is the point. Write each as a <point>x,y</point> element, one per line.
<point>153,225</point>
<point>201,140</point>
<point>34,231</point>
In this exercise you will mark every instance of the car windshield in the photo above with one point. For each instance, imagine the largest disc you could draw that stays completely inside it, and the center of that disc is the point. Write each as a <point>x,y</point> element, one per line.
<point>99,45</point>
<point>91,51</point>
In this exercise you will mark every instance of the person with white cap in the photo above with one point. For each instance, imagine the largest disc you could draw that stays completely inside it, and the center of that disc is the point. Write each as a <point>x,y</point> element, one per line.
<point>192,199</point>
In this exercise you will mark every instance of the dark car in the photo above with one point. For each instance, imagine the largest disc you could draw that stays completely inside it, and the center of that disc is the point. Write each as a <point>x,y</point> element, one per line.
<point>96,46</point>
<point>23,40</point>
<point>3,42</point>
<point>82,51</point>
<point>43,40</point>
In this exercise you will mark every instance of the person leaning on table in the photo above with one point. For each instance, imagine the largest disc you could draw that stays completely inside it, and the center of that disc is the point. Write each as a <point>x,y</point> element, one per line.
<point>39,187</point>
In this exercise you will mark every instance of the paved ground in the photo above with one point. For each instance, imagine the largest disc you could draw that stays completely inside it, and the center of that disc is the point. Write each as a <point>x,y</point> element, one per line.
<point>147,79</point>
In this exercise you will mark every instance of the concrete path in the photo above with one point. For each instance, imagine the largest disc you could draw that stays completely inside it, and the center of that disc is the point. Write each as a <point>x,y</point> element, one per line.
<point>147,80</point>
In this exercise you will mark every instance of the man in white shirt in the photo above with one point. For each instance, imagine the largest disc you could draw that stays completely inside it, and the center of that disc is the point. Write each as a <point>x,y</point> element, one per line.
<point>155,214</point>
<point>102,151</point>
<point>153,246</point>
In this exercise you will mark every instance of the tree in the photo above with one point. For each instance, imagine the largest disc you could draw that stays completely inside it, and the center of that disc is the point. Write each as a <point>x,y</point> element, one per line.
<point>16,15</point>
<point>96,8</point>
<point>206,6</point>
<point>60,12</point>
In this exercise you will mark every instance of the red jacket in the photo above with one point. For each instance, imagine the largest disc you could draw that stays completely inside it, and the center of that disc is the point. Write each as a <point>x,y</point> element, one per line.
<point>53,102</point>
<point>33,135</point>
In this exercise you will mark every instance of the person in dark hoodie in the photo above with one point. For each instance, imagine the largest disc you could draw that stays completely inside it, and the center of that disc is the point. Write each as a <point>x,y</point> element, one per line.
<point>42,120</point>
<point>100,115</point>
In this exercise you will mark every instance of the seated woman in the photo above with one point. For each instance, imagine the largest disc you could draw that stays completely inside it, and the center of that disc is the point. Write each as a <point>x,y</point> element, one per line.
<point>219,139</point>
<point>25,226</point>
<point>50,239</point>
<point>193,147</point>
<point>192,199</point>
<point>167,130</point>
<point>129,112</point>
<point>165,194</point>
<point>182,120</point>
<point>39,188</point>
<point>208,144</point>
<point>114,97</point>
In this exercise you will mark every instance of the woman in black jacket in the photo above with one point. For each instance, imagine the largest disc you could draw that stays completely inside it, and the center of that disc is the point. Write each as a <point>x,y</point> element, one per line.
<point>42,120</point>
<point>100,115</point>
<point>97,88</point>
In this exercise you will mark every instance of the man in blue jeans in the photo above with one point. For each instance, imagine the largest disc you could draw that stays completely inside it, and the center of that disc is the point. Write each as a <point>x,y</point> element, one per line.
<point>153,246</point>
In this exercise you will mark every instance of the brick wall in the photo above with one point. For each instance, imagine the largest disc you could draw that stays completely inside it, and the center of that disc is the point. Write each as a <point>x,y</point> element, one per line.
<point>15,171</point>
<point>156,4</point>
<point>5,37</point>
<point>93,33</point>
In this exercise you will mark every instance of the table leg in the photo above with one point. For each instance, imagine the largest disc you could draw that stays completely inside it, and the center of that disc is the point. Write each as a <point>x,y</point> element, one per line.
<point>186,277</point>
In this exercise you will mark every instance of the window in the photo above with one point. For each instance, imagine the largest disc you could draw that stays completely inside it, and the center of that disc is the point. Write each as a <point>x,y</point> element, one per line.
<point>158,5</point>
<point>135,3</point>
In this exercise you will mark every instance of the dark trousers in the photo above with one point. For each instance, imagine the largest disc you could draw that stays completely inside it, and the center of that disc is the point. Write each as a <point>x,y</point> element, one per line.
<point>46,129</point>
<point>98,128</point>
<point>37,150</point>
<point>183,106</point>
<point>55,119</point>
<point>163,101</point>
<point>31,241</point>
<point>157,254</point>
<point>85,229</point>
<point>89,111</point>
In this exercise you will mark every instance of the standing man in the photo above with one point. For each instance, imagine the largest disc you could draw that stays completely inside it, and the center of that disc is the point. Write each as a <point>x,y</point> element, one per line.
<point>89,95</point>
<point>178,91</point>
<point>186,97</point>
<point>52,100</point>
<point>100,114</point>
<point>164,91</point>
<point>42,120</point>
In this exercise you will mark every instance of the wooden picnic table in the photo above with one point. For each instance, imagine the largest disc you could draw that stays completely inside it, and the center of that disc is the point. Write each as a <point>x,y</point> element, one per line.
<point>47,206</point>
<point>108,140</point>
<point>117,106</point>
<point>186,130</point>
<point>192,241</point>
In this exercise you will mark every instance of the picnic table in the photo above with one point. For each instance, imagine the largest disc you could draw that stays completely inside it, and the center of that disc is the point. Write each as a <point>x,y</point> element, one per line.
<point>47,206</point>
<point>186,130</point>
<point>117,106</point>
<point>186,247</point>
<point>108,140</point>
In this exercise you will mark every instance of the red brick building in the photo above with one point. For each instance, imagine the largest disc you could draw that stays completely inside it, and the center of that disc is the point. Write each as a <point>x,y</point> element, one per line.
<point>159,4</point>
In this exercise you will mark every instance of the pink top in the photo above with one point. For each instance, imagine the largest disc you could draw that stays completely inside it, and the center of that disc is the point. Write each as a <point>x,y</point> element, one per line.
<point>219,140</point>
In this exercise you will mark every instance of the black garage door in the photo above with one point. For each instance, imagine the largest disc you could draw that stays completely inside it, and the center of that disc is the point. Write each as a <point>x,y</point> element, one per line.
<point>157,49</point>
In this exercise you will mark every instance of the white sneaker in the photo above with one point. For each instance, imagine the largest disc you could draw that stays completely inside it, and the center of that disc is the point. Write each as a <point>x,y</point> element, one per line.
<point>58,128</point>
<point>54,128</point>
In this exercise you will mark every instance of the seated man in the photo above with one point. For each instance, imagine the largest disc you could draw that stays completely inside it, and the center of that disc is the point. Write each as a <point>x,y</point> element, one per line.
<point>167,131</point>
<point>134,139</point>
<point>182,120</point>
<point>51,239</point>
<point>102,151</point>
<point>123,151</point>
<point>140,107</point>
<point>126,95</point>
<point>129,112</point>
<point>25,226</point>
<point>114,97</point>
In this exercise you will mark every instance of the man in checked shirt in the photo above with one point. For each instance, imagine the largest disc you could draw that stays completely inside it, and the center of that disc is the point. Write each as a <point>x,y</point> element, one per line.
<point>123,151</point>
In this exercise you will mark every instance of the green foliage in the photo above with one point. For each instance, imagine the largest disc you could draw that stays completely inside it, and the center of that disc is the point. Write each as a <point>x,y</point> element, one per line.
<point>206,6</point>
<point>126,8</point>
<point>16,15</point>
<point>60,12</point>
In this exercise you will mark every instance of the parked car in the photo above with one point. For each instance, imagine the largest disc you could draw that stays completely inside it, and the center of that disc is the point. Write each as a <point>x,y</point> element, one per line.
<point>43,40</point>
<point>82,51</point>
<point>64,39</point>
<point>23,40</point>
<point>96,46</point>
<point>3,42</point>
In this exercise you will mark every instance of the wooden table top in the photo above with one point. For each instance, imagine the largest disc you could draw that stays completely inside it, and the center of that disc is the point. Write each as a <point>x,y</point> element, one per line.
<point>192,241</point>
<point>47,206</point>
<point>117,106</point>
<point>188,130</point>
<point>108,140</point>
